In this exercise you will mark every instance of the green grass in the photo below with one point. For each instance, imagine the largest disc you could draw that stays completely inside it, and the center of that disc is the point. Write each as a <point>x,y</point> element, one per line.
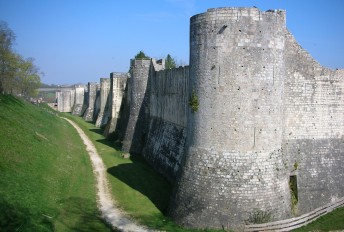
<point>46,179</point>
<point>331,221</point>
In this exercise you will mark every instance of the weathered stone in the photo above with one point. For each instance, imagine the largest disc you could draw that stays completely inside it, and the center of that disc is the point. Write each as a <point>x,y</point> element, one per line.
<point>91,98</point>
<point>79,100</point>
<point>267,111</point>
<point>103,115</point>
<point>64,101</point>
<point>168,108</point>
<point>118,83</point>
<point>138,102</point>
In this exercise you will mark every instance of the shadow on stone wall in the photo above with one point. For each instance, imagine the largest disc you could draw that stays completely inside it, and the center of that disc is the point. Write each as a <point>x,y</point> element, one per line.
<point>142,124</point>
<point>122,120</point>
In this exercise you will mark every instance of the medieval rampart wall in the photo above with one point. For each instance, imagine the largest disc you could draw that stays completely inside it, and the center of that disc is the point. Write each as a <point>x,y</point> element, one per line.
<point>118,83</point>
<point>104,102</point>
<point>314,128</point>
<point>64,101</point>
<point>267,132</point>
<point>138,104</point>
<point>168,109</point>
<point>91,99</point>
<point>79,101</point>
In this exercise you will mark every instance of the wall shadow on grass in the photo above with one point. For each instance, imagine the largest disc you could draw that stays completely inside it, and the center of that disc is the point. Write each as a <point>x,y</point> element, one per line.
<point>80,214</point>
<point>97,130</point>
<point>109,141</point>
<point>139,176</point>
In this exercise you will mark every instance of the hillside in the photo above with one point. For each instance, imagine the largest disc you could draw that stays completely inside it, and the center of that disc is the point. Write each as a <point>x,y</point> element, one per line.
<point>46,179</point>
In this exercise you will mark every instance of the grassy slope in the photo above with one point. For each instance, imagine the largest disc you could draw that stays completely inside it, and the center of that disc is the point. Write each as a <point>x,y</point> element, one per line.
<point>46,179</point>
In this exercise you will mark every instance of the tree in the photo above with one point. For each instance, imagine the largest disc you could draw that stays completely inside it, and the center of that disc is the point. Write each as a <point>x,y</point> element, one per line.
<point>27,76</point>
<point>170,62</point>
<point>17,75</point>
<point>141,55</point>
<point>7,57</point>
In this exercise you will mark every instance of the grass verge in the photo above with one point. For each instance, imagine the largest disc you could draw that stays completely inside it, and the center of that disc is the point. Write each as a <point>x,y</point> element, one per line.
<point>329,222</point>
<point>46,179</point>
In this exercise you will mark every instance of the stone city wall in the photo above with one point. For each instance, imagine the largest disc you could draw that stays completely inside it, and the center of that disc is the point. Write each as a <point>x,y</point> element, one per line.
<point>64,101</point>
<point>136,128</point>
<point>89,114</point>
<point>103,115</point>
<point>254,123</point>
<point>313,128</point>
<point>79,100</point>
<point>168,108</point>
<point>118,83</point>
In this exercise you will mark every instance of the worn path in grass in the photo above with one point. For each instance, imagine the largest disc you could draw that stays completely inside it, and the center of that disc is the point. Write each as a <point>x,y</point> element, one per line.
<point>110,212</point>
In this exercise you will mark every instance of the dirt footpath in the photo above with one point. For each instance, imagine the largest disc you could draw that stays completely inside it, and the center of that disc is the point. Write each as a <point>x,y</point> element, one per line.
<point>106,205</point>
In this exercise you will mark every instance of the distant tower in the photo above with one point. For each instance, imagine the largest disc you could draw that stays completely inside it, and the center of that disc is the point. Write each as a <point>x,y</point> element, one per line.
<point>234,138</point>
<point>79,100</point>
<point>138,104</point>
<point>118,83</point>
<point>96,103</point>
<point>104,102</point>
<point>64,101</point>
<point>92,94</point>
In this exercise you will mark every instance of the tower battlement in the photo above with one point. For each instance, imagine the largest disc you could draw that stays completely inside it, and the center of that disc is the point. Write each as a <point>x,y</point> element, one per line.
<point>240,14</point>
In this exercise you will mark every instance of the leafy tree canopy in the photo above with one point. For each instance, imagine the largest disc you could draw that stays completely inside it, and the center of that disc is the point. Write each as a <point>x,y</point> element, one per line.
<point>170,62</point>
<point>17,75</point>
<point>141,55</point>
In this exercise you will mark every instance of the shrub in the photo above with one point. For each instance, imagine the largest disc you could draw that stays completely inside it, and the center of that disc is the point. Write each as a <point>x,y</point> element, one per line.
<point>194,104</point>
<point>259,216</point>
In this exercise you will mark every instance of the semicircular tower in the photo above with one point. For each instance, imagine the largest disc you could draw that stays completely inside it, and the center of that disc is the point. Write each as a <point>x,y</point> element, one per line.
<point>234,136</point>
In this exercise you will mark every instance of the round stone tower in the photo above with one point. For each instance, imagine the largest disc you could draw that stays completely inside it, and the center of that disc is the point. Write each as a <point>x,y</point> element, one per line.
<point>138,103</point>
<point>233,164</point>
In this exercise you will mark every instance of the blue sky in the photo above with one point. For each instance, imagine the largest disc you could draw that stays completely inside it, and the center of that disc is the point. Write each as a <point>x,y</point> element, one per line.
<point>77,41</point>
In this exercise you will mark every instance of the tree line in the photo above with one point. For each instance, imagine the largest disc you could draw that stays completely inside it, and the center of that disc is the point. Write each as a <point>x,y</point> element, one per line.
<point>169,61</point>
<point>18,75</point>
